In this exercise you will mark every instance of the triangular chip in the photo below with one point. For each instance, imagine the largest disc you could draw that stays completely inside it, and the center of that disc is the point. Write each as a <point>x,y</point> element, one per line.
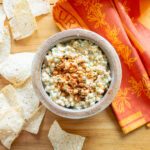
<point>14,100</point>
<point>30,101</point>
<point>17,68</point>
<point>22,22</point>
<point>26,100</point>
<point>33,124</point>
<point>39,7</point>
<point>10,122</point>
<point>15,122</point>
<point>13,119</point>
<point>60,139</point>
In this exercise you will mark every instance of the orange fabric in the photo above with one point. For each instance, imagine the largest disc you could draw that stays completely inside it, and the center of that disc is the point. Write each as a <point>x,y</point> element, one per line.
<point>136,32</point>
<point>110,19</point>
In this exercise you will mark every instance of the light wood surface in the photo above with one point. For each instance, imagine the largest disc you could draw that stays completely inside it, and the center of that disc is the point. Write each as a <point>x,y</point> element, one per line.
<point>101,131</point>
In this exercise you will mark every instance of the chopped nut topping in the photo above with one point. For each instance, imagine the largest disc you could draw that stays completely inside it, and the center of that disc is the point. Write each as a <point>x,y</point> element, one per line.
<point>67,69</point>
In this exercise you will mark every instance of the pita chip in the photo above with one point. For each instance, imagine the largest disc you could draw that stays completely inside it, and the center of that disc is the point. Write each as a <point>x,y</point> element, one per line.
<point>22,22</point>
<point>39,7</point>
<point>60,139</point>
<point>33,124</point>
<point>4,105</point>
<point>7,141</point>
<point>17,68</point>
<point>11,122</point>
<point>30,101</point>
<point>26,100</point>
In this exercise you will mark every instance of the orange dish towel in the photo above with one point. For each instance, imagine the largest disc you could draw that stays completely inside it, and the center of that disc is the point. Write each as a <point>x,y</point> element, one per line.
<point>120,23</point>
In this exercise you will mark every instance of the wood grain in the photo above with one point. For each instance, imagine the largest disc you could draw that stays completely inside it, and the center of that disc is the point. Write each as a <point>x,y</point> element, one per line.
<point>101,131</point>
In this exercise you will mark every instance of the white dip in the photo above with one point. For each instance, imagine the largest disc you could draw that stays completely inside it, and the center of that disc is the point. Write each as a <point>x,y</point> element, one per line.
<point>76,74</point>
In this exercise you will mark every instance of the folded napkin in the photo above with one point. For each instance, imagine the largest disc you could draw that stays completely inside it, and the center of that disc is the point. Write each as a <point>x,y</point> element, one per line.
<point>120,23</point>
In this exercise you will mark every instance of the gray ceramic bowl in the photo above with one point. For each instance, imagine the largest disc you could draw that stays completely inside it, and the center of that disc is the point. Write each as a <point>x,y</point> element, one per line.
<point>114,63</point>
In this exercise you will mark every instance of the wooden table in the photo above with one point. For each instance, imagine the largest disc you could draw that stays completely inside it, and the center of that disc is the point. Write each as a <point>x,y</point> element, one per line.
<point>102,131</point>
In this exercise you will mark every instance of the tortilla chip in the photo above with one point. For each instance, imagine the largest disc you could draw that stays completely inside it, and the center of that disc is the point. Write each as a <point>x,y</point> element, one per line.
<point>22,22</point>
<point>17,68</point>
<point>2,20</point>
<point>10,122</point>
<point>5,46</point>
<point>26,100</point>
<point>62,140</point>
<point>33,124</point>
<point>39,7</point>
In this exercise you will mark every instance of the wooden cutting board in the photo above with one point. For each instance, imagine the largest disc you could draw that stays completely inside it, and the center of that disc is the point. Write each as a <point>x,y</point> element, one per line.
<point>101,131</point>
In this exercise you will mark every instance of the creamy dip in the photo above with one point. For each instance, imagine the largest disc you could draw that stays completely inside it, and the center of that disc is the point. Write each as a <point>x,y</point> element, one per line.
<point>76,74</point>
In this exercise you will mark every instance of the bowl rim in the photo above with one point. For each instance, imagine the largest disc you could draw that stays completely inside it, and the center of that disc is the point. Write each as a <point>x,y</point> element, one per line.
<point>113,60</point>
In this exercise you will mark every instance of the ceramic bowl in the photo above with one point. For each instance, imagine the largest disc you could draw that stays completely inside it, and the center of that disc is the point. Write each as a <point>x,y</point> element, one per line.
<point>113,60</point>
